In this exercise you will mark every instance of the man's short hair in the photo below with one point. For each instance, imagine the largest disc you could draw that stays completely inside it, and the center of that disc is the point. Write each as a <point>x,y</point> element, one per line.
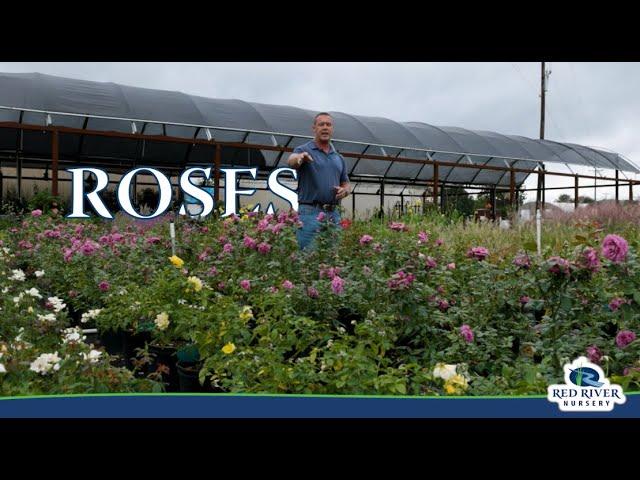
<point>315,119</point>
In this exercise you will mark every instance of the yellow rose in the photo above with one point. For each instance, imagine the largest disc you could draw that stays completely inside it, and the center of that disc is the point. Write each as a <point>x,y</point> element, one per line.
<point>450,389</point>
<point>229,348</point>
<point>195,282</point>
<point>246,314</point>
<point>456,384</point>
<point>162,321</point>
<point>176,261</point>
<point>460,381</point>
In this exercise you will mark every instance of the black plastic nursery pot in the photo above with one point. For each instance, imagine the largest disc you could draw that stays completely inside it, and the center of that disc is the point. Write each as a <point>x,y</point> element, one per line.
<point>188,378</point>
<point>165,360</point>
<point>92,339</point>
<point>132,342</point>
<point>123,344</point>
<point>112,341</point>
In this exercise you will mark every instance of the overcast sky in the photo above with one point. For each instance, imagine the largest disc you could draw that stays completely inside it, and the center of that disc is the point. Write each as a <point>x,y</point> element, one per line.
<point>593,104</point>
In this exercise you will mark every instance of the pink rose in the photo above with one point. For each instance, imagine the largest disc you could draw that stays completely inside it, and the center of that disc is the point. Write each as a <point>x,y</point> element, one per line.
<point>616,303</point>
<point>624,338</point>
<point>479,253</point>
<point>250,242</point>
<point>365,239</point>
<point>264,248</point>
<point>615,248</point>
<point>522,261</point>
<point>337,285</point>
<point>589,259</point>
<point>559,266</point>
<point>594,354</point>
<point>398,226</point>
<point>467,333</point>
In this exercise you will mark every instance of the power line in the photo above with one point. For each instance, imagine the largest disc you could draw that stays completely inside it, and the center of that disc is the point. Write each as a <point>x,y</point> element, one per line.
<point>519,72</point>
<point>551,117</point>
<point>524,78</point>
<point>534,88</point>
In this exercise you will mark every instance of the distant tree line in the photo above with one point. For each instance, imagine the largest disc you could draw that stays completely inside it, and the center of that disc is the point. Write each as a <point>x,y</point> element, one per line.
<point>565,198</point>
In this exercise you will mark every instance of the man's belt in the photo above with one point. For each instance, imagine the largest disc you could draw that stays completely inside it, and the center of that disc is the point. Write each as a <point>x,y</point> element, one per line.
<point>329,207</point>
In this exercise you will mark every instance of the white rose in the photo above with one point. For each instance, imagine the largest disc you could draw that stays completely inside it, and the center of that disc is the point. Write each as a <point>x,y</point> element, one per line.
<point>162,321</point>
<point>93,356</point>
<point>444,371</point>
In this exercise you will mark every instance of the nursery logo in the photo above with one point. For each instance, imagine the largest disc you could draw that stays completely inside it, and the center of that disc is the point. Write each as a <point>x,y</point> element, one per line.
<point>586,389</point>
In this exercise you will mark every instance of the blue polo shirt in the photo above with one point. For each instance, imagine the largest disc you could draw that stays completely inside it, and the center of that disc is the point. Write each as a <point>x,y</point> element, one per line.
<point>317,179</point>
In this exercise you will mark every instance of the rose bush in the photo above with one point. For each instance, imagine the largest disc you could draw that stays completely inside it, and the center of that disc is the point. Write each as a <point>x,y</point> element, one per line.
<point>375,314</point>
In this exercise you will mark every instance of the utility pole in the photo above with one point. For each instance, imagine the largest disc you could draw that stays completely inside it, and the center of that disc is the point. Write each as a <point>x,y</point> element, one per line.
<point>541,184</point>
<point>544,76</point>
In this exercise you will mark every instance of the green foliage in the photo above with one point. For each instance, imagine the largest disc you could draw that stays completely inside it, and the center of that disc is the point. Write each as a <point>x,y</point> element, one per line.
<point>45,201</point>
<point>353,316</point>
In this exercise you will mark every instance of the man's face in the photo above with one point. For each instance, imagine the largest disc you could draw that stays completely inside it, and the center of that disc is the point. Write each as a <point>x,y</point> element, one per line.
<point>323,128</point>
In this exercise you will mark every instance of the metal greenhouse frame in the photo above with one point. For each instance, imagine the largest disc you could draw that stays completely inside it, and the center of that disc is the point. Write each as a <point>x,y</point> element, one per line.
<point>50,123</point>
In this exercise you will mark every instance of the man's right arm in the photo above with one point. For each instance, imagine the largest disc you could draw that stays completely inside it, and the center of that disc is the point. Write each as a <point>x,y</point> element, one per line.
<point>298,157</point>
<point>294,160</point>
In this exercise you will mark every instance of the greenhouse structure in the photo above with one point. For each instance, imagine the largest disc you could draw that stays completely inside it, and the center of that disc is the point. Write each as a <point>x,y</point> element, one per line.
<point>50,123</point>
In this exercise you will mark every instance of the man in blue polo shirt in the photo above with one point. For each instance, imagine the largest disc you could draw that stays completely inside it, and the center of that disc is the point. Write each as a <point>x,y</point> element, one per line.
<point>322,179</point>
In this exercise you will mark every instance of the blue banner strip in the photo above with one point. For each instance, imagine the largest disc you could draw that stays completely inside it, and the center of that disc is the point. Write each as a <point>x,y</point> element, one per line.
<point>257,406</point>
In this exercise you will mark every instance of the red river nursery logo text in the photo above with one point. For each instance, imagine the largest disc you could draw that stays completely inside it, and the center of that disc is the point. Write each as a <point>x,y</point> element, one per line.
<point>586,389</point>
